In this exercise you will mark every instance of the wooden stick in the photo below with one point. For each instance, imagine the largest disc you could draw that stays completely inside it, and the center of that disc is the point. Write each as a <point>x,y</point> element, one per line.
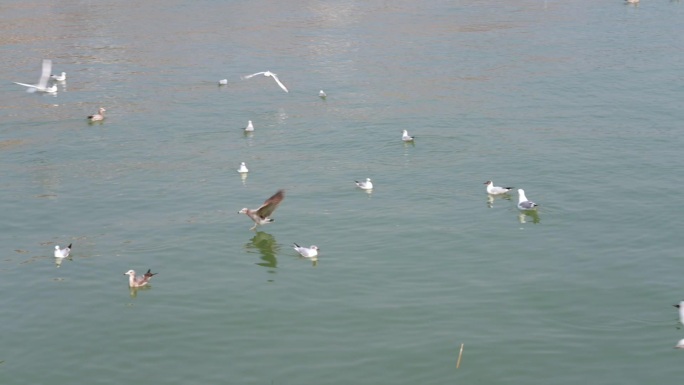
<point>460,353</point>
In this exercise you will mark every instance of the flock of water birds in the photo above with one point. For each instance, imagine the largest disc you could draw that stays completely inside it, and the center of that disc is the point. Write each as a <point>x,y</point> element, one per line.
<point>47,84</point>
<point>46,76</point>
<point>260,216</point>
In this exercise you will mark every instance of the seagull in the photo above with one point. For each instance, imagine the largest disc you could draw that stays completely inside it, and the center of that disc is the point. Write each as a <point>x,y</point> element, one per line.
<point>250,126</point>
<point>134,281</point>
<point>322,94</point>
<point>42,83</point>
<point>59,78</point>
<point>680,306</point>
<point>406,137</point>
<point>99,116</point>
<point>268,73</point>
<point>632,1</point>
<point>62,253</point>
<point>243,168</point>
<point>680,344</point>
<point>307,252</point>
<point>261,215</point>
<point>223,82</point>
<point>367,185</point>
<point>496,190</point>
<point>523,203</point>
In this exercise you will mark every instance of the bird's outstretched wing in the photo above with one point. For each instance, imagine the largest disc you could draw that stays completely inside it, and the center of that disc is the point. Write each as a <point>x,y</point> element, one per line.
<point>253,75</point>
<point>45,75</point>
<point>270,204</point>
<point>146,278</point>
<point>279,83</point>
<point>26,85</point>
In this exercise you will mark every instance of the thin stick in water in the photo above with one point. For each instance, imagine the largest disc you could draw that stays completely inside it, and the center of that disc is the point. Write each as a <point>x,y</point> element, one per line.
<point>460,353</point>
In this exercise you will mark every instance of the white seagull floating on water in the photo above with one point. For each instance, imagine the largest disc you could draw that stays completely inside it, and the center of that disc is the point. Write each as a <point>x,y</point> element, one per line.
<point>322,94</point>
<point>134,281</point>
<point>271,74</point>
<point>680,344</point>
<point>42,83</point>
<point>406,137</point>
<point>496,190</point>
<point>307,252</point>
<point>223,82</point>
<point>99,116</point>
<point>523,203</point>
<point>62,253</point>
<point>243,168</point>
<point>59,78</point>
<point>367,185</point>
<point>261,215</point>
<point>250,126</point>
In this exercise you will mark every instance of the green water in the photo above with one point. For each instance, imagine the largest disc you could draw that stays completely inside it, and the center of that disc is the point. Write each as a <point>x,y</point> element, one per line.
<point>579,103</point>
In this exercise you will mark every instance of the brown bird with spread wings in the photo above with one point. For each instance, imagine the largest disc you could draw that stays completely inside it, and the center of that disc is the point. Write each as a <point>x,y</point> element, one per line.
<point>261,215</point>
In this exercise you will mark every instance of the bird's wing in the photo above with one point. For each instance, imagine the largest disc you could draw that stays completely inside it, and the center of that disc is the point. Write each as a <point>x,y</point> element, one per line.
<point>45,75</point>
<point>26,85</point>
<point>253,75</point>
<point>279,83</point>
<point>270,204</point>
<point>145,278</point>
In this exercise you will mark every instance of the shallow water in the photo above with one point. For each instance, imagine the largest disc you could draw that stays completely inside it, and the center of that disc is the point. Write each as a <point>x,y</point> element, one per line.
<point>576,102</point>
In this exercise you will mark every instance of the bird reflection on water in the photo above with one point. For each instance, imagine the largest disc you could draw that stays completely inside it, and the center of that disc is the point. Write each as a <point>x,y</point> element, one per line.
<point>528,213</point>
<point>267,246</point>
<point>492,198</point>
<point>133,291</point>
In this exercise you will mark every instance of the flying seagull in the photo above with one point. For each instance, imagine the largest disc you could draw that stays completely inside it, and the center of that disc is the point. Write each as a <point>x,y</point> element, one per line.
<point>99,116</point>
<point>42,83</point>
<point>62,253</point>
<point>523,203</point>
<point>307,252</point>
<point>261,215</point>
<point>496,190</point>
<point>367,185</point>
<point>134,281</point>
<point>271,74</point>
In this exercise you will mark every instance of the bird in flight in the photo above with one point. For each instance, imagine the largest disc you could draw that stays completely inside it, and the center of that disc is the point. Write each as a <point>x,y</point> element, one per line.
<point>271,74</point>
<point>261,216</point>
<point>42,83</point>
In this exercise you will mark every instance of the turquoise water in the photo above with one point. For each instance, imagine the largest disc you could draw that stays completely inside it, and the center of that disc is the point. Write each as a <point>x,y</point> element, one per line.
<point>579,103</point>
